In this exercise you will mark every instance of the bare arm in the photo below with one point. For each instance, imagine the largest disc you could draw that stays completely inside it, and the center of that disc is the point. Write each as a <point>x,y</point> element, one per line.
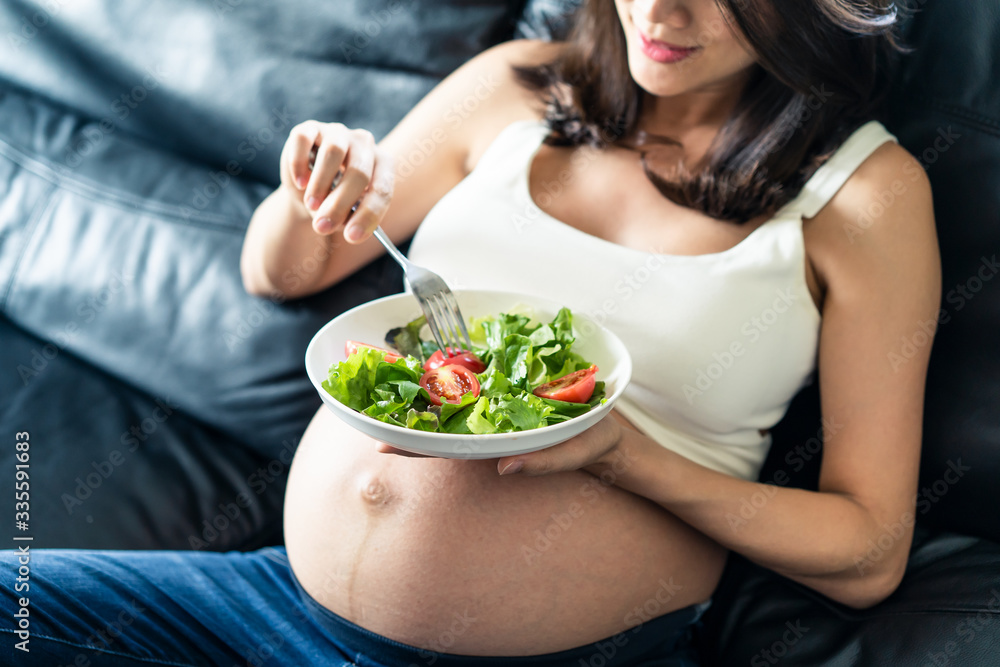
<point>303,238</point>
<point>881,287</point>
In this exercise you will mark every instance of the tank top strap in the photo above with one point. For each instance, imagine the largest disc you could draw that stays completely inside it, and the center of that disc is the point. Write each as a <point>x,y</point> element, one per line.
<point>512,148</point>
<point>832,174</point>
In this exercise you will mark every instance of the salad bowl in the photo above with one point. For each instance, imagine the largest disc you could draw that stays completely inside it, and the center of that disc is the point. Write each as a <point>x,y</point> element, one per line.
<point>371,321</point>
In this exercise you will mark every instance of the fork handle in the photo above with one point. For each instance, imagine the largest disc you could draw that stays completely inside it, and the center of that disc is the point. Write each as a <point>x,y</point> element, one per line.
<point>391,247</point>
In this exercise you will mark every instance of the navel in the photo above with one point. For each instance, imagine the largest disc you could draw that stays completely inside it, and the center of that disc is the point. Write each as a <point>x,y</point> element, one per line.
<point>375,491</point>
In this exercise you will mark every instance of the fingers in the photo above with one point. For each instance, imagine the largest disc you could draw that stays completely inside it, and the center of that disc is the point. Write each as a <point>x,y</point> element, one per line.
<point>332,148</point>
<point>295,154</point>
<point>568,455</point>
<point>340,175</point>
<point>358,166</point>
<point>573,454</point>
<point>375,202</point>
<point>386,448</point>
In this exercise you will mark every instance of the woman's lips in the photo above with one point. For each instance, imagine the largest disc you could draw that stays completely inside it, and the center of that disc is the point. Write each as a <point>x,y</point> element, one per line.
<point>662,52</point>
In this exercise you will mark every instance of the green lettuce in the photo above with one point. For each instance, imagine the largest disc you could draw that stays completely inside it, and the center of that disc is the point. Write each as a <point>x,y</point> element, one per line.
<point>519,357</point>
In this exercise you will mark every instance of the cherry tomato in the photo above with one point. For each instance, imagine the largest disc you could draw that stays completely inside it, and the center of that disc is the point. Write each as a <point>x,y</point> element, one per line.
<point>455,356</point>
<point>351,346</point>
<point>576,387</point>
<point>449,383</point>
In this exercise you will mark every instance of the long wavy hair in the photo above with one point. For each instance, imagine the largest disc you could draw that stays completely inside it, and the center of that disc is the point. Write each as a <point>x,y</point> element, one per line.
<point>822,69</point>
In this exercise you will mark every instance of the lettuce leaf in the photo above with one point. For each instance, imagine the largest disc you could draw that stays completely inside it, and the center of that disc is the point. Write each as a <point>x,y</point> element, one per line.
<point>421,421</point>
<point>351,381</point>
<point>519,356</point>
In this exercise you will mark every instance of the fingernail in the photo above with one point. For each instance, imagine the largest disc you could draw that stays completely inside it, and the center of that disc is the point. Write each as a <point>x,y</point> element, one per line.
<point>512,467</point>
<point>324,225</point>
<point>354,233</point>
<point>302,182</point>
<point>313,203</point>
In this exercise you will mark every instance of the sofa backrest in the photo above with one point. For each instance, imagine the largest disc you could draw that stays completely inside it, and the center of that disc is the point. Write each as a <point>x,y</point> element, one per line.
<point>945,109</point>
<point>137,138</point>
<point>224,81</point>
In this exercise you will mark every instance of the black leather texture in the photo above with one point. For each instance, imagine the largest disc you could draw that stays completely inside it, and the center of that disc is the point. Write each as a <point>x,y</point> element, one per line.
<point>207,80</point>
<point>164,403</point>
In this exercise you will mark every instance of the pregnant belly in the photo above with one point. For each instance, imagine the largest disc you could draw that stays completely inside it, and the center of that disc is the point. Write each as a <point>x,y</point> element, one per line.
<point>449,556</point>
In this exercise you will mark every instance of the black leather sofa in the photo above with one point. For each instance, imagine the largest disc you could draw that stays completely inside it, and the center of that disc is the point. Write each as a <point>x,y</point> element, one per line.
<point>163,403</point>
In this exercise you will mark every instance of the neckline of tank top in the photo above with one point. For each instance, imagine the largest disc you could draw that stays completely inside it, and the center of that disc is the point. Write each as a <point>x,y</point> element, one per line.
<point>788,213</point>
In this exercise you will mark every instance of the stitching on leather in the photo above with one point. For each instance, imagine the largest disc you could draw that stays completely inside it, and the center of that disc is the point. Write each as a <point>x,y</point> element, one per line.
<point>962,114</point>
<point>102,194</point>
<point>51,198</point>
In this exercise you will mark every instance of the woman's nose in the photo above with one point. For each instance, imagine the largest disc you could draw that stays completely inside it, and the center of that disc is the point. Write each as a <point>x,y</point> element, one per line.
<point>671,13</point>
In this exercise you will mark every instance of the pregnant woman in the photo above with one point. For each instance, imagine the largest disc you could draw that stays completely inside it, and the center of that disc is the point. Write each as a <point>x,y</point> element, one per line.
<point>704,177</point>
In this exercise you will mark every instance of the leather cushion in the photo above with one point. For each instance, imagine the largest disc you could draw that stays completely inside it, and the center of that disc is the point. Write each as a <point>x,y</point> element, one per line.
<point>210,80</point>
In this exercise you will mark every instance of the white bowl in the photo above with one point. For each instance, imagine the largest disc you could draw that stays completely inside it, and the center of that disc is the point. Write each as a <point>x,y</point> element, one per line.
<point>369,323</point>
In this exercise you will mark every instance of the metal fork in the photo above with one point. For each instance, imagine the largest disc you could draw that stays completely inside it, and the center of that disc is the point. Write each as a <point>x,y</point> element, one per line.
<point>435,298</point>
<point>444,317</point>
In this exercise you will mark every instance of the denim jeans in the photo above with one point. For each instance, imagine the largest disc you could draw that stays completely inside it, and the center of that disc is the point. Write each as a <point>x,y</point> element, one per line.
<point>132,608</point>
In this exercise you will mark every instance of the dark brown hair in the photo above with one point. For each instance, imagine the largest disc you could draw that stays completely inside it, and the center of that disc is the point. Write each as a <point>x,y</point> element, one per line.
<point>822,70</point>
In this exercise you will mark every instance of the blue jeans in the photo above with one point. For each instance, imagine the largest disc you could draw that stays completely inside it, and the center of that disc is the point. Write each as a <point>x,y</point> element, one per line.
<point>132,608</point>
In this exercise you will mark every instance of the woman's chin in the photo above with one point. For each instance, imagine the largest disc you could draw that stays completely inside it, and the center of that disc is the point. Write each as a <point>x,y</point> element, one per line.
<point>660,82</point>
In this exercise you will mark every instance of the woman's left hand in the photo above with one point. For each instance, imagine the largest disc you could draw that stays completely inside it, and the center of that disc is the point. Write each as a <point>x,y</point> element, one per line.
<point>592,447</point>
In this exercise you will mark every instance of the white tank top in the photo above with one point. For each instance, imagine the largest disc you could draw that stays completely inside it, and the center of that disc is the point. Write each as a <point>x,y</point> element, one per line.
<point>720,342</point>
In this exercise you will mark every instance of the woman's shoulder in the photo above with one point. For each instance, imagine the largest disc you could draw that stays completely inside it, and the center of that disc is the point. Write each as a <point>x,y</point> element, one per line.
<point>525,52</point>
<point>883,211</point>
<point>887,180</point>
<point>502,98</point>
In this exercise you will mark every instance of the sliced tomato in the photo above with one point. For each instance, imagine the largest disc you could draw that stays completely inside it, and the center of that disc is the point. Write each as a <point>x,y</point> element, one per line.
<point>351,346</point>
<point>455,356</point>
<point>576,387</point>
<point>448,383</point>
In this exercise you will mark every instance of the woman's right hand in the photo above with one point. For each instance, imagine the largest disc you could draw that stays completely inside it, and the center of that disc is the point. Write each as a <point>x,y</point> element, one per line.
<point>318,154</point>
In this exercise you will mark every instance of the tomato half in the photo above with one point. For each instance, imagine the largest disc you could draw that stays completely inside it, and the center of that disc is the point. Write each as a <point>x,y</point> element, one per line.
<point>449,383</point>
<point>576,387</point>
<point>457,357</point>
<point>351,346</point>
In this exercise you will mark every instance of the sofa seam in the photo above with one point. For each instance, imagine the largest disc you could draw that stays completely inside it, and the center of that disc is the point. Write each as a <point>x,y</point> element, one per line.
<point>102,194</point>
<point>52,196</point>
<point>964,115</point>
